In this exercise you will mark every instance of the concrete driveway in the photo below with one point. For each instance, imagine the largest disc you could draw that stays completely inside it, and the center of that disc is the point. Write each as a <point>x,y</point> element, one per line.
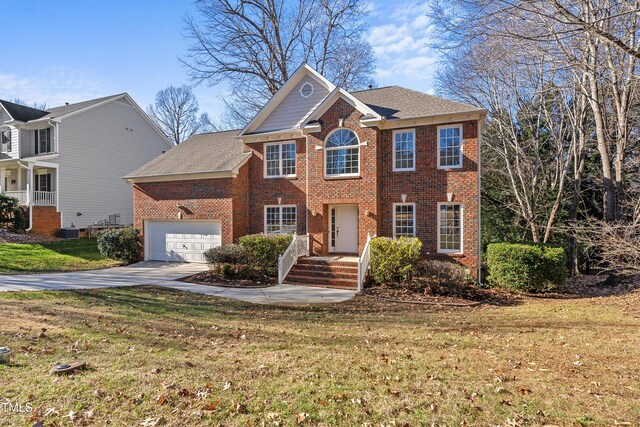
<point>167,274</point>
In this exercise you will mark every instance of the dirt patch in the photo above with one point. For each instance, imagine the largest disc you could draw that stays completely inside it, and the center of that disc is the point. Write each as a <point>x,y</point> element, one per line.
<point>7,236</point>
<point>210,278</point>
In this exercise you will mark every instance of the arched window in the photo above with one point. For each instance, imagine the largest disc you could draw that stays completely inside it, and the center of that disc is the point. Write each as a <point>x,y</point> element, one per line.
<point>342,153</point>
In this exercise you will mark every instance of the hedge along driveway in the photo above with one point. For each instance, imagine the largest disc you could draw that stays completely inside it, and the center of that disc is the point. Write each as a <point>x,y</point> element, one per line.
<point>66,255</point>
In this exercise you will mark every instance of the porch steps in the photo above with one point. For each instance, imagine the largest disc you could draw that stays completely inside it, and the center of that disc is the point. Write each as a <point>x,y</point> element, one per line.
<point>324,272</point>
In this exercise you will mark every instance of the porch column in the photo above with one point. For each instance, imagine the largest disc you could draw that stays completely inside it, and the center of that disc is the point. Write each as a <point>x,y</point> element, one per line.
<point>2,189</point>
<point>29,186</point>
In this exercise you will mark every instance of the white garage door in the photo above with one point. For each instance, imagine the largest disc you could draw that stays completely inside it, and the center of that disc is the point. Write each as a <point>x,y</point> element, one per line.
<point>181,240</point>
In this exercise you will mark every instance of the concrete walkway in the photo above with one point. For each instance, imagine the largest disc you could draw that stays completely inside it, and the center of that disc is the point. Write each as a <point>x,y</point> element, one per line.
<point>167,274</point>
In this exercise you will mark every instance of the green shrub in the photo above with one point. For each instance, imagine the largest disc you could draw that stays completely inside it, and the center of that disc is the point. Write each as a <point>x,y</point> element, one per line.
<point>265,249</point>
<point>229,254</point>
<point>8,205</point>
<point>394,260</point>
<point>19,218</point>
<point>120,243</point>
<point>526,267</point>
<point>444,272</point>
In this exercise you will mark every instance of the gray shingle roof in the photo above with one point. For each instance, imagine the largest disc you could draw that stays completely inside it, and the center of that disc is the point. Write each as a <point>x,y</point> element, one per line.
<point>395,102</point>
<point>207,152</point>
<point>22,113</point>
<point>70,108</point>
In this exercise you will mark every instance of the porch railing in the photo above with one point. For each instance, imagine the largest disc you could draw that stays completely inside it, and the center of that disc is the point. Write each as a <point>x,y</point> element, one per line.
<point>363,262</point>
<point>44,198</point>
<point>299,247</point>
<point>20,195</point>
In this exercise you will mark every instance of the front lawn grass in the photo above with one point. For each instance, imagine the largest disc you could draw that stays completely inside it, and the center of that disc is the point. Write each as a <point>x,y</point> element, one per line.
<point>64,255</point>
<point>162,357</point>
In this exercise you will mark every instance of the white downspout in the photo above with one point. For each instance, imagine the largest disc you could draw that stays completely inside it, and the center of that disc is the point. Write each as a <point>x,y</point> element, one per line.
<point>29,195</point>
<point>480,122</point>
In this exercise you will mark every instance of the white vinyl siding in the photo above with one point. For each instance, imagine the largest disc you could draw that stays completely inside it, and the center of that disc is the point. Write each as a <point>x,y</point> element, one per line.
<point>404,150</point>
<point>294,107</point>
<point>280,219</point>
<point>450,146</point>
<point>280,160</point>
<point>404,220</point>
<point>97,148</point>
<point>450,227</point>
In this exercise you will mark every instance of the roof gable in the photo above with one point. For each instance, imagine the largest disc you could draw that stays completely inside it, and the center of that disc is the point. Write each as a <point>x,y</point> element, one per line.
<point>21,113</point>
<point>287,109</point>
<point>332,98</point>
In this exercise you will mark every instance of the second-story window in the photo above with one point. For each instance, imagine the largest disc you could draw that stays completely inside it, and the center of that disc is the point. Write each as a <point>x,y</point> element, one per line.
<point>43,141</point>
<point>5,141</point>
<point>342,153</point>
<point>280,160</point>
<point>404,150</point>
<point>450,147</point>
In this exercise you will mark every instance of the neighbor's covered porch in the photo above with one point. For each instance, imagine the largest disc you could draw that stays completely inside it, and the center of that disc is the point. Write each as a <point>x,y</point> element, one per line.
<point>33,184</point>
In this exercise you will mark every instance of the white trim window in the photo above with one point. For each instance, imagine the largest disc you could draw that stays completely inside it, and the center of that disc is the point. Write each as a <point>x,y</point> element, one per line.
<point>43,141</point>
<point>280,160</point>
<point>450,228</point>
<point>450,147</point>
<point>43,182</point>
<point>404,220</point>
<point>5,141</point>
<point>280,219</point>
<point>404,150</point>
<point>342,153</point>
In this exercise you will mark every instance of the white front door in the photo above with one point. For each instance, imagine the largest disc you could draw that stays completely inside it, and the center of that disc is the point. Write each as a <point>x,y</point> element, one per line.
<point>343,233</point>
<point>180,240</point>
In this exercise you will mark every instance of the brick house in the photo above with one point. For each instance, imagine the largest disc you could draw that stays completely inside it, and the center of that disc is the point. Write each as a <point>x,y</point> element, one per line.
<point>321,161</point>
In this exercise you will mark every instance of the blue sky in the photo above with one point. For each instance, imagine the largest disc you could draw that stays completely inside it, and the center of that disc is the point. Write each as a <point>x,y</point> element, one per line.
<point>73,50</point>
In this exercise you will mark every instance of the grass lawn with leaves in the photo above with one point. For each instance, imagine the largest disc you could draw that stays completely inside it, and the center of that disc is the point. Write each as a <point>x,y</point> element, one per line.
<point>57,256</point>
<point>162,357</point>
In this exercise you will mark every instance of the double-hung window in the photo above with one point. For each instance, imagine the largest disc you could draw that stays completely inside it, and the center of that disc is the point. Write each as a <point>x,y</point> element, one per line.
<point>5,141</point>
<point>450,227</point>
<point>404,150</point>
<point>280,160</point>
<point>43,141</point>
<point>404,220</point>
<point>342,153</point>
<point>280,219</point>
<point>43,182</point>
<point>450,147</point>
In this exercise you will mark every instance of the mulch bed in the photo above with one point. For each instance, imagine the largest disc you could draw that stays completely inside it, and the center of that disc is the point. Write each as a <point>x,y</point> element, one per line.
<point>7,236</point>
<point>471,295</point>
<point>212,279</point>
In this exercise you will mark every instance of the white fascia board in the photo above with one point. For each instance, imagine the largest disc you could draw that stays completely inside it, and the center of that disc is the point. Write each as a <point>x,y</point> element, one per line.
<point>275,100</point>
<point>275,135</point>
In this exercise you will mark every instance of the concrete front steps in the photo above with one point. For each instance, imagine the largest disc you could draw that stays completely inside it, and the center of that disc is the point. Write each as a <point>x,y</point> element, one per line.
<point>328,272</point>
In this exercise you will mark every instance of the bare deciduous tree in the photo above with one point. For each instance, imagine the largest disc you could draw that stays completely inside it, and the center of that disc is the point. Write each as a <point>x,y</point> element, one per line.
<point>254,46</point>
<point>176,113</point>
<point>37,105</point>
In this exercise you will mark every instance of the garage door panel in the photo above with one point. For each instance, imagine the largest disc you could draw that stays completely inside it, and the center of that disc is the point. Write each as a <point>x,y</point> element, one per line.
<point>181,240</point>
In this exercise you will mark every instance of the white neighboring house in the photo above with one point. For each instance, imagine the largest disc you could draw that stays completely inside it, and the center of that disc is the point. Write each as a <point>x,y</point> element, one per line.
<point>66,163</point>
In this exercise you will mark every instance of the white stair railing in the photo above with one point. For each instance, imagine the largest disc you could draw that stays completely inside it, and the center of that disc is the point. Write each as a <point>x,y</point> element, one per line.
<point>299,247</point>
<point>363,261</point>
<point>44,198</point>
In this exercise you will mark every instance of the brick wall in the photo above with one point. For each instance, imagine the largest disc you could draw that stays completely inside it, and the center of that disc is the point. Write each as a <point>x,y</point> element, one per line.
<point>199,199</point>
<point>45,220</point>
<point>428,185</point>
<point>325,191</point>
<point>266,191</point>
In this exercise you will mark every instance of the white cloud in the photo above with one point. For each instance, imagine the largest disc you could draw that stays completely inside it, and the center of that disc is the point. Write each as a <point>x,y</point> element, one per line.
<point>52,86</point>
<point>400,40</point>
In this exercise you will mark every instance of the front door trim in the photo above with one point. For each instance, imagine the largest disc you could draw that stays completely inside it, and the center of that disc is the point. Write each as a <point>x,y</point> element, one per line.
<point>334,247</point>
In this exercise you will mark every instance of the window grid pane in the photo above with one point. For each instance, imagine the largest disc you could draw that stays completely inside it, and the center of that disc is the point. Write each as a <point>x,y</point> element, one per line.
<point>405,221</point>
<point>342,161</point>
<point>450,146</point>
<point>450,228</point>
<point>273,220</point>
<point>289,159</point>
<point>281,219</point>
<point>405,150</point>
<point>272,156</point>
